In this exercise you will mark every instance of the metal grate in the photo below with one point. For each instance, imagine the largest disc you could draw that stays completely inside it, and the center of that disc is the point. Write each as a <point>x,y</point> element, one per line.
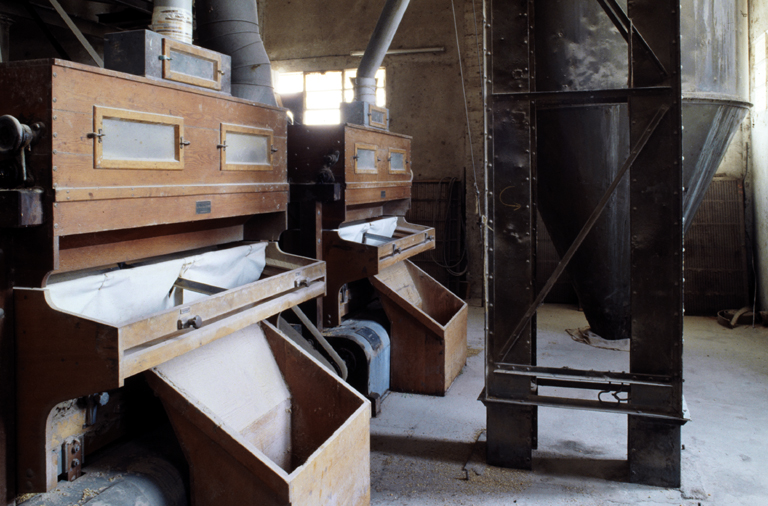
<point>716,273</point>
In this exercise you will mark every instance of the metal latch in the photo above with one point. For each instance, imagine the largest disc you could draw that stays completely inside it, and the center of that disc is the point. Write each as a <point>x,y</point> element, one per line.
<point>183,142</point>
<point>73,459</point>
<point>162,57</point>
<point>301,283</point>
<point>274,149</point>
<point>195,322</point>
<point>96,135</point>
<point>222,146</point>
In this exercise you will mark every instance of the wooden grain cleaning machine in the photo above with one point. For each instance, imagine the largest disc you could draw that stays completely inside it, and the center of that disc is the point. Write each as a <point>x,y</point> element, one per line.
<point>138,216</point>
<point>351,185</point>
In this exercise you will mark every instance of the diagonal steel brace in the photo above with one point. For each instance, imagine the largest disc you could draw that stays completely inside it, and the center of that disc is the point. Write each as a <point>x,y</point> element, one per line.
<point>625,26</point>
<point>636,150</point>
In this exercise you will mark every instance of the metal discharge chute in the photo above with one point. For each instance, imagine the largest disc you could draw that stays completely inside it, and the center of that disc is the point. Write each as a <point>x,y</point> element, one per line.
<point>581,148</point>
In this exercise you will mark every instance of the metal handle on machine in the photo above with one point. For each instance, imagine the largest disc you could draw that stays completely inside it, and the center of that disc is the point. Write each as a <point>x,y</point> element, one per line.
<point>96,135</point>
<point>194,322</point>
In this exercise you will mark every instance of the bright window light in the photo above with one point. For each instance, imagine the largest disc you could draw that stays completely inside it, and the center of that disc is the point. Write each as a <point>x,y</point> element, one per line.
<point>289,83</point>
<point>324,92</point>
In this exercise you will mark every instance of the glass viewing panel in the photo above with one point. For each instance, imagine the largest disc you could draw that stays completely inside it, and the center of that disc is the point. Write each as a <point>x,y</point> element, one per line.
<point>191,65</point>
<point>136,140</point>
<point>245,148</point>
<point>378,117</point>
<point>365,159</point>
<point>397,160</point>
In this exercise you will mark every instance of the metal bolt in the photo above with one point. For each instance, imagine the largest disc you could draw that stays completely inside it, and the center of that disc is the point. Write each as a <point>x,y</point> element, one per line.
<point>55,168</point>
<point>54,100</point>
<point>54,74</point>
<point>55,134</point>
<point>75,463</point>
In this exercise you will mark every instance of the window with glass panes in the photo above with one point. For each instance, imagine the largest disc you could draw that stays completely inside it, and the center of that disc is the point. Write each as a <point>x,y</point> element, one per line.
<point>324,92</point>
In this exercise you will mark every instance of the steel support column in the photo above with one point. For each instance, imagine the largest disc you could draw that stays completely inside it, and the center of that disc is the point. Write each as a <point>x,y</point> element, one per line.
<point>654,384</point>
<point>656,229</point>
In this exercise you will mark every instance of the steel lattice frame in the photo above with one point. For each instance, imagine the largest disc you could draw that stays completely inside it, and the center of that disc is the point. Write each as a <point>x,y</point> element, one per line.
<point>654,384</point>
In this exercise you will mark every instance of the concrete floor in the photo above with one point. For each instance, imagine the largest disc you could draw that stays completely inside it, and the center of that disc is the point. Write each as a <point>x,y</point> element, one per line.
<point>430,451</point>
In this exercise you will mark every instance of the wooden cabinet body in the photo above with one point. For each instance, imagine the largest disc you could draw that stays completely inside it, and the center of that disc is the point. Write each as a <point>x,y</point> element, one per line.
<point>115,213</point>
<point>370,186</point>
<point>128,170</point>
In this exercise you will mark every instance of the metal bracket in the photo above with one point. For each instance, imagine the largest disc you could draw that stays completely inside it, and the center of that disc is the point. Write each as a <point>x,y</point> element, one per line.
<point>92,406</point>
<point>73,458</point>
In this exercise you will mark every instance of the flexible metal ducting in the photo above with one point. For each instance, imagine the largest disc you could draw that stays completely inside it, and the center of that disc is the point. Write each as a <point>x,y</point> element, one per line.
<point>389,21</point>
<point>232,27</point>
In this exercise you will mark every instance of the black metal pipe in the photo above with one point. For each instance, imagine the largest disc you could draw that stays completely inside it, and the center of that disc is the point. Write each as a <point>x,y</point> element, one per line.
<point>232,27</point>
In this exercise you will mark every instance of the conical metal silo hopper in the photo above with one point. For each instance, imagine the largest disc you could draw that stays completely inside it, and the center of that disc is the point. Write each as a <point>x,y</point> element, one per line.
<point>581,148</point>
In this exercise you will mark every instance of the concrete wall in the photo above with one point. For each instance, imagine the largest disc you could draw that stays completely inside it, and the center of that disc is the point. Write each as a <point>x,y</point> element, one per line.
<point>424,92</point>
<point>758,167</point>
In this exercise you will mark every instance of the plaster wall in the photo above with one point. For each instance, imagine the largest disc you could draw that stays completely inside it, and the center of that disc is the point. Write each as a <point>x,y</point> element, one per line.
<point>424,91</point>
<point>758,159</point>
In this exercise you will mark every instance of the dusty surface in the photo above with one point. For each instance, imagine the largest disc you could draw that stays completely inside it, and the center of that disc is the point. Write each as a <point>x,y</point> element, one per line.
<point>425,450</point>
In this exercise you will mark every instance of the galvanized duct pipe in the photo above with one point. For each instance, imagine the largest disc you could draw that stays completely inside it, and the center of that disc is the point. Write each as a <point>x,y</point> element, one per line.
<point>365,83</point>
<point>173,18</point>
<point>232,27</point>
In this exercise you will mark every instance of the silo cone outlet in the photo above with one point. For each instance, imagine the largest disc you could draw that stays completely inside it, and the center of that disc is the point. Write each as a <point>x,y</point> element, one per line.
<point>580,149</point>
<point>580,152</point>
